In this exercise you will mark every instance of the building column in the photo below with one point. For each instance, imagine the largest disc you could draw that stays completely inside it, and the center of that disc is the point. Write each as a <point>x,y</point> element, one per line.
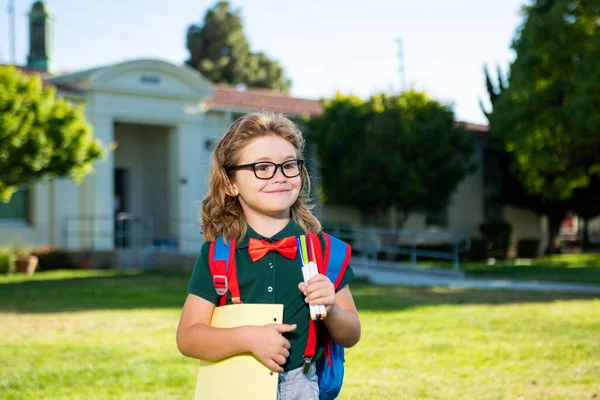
<point>98,201</point>
<point>190,177</point>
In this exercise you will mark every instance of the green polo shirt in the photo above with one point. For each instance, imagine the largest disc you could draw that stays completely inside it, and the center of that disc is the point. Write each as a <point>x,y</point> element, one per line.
<point>271,280</point>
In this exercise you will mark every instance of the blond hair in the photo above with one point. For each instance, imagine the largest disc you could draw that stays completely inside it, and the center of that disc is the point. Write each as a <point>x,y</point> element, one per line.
<point>222,213</point>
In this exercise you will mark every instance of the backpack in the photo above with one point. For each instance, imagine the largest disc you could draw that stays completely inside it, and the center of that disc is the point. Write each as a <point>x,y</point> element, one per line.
<point>333,263</point>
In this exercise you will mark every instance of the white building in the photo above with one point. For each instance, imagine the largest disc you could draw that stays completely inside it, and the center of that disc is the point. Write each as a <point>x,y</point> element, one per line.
<point>164,120</point>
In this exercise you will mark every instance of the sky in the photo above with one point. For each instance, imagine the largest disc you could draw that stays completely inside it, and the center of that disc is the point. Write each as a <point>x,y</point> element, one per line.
<point>324,45</point>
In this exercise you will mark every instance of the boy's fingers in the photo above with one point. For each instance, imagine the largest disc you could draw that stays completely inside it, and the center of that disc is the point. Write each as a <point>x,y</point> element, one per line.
<point>282,328</point>
<point>316,278</point>
<point>317,286</point>
<point>314,296</point>
<point>279,359</point>
<point>318,294</point>
<point>273,366</point>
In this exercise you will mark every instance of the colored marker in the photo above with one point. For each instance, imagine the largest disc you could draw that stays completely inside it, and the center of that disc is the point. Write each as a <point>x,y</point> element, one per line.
<point>305,266</point>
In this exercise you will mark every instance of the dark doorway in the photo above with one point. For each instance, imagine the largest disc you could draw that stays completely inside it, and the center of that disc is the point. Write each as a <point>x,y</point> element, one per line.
<point>121,206</point>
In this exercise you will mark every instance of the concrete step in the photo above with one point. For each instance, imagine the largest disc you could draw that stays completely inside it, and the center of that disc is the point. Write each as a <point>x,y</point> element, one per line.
<point>405,268</point>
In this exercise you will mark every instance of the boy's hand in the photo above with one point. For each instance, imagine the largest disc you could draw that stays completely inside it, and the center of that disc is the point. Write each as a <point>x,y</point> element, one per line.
<point>269,346</point>
<point>319,290</point>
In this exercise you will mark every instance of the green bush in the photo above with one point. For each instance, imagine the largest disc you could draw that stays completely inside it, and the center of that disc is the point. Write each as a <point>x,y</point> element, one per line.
<point>497,237</point>
<point>51,258</point>
<point>7,261</point>
<point>404,258</point>
<point>478,251</point>
<point>528,248</point>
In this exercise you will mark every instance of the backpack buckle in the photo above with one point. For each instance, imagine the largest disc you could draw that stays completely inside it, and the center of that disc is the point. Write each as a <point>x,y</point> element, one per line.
<point>306,366</point>
<point>221,284</point>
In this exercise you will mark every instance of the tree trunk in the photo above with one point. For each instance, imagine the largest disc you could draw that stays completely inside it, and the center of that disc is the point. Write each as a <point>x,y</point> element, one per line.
<point>401,219</point>
<point>389,240</point>
<point>585,240</point>
<point>554,222</point>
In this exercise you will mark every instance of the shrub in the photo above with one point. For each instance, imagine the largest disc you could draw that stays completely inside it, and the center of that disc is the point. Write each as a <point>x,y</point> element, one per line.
<point>7,261</point>
<point>51,258</point>
<point>497,237</point>
<point>478,251</point>
<point>528,247</point>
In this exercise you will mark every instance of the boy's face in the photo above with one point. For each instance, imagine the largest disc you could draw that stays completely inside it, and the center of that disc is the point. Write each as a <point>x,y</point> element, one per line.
<point>272,197</point>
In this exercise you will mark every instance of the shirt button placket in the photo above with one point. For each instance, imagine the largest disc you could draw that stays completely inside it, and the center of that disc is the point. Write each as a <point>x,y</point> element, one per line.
<point>271,280</point>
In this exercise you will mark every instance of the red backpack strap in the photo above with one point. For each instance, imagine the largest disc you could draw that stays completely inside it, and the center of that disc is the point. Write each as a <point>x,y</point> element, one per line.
<point>221,261</point>
<point>311,342</point>
<point>319,254</point>
<point>333,263</point>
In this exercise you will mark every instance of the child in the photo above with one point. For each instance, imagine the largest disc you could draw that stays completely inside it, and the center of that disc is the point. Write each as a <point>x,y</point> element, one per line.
<point>259,189</point>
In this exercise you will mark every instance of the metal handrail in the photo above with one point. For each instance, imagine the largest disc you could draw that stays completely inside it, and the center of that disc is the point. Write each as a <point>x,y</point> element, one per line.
<point>368,240</point>
<point>140,233</point>
<point>372,240</point>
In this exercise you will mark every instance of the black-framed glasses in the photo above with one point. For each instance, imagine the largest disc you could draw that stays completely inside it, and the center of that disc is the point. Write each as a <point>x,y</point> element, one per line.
<point>267,169</point>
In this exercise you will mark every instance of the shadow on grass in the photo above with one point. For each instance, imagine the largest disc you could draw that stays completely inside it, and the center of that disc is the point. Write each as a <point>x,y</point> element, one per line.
<point>147,290</point>
<point>555,273</point>
<point>580,268</point>
<point>162,290</point>
<point>391,298</point>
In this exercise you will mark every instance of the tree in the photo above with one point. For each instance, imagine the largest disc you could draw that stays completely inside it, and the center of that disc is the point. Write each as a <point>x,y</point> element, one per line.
<point>511,189</point>
<point>220,51</point>
<point>546,116</point>
<point>586,204</point>
<point>494,90</point>
<point>401,151</point>
<point>41,136</point>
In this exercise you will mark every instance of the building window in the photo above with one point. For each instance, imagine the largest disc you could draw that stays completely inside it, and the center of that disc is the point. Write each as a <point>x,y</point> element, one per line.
<point>18,208</point>
<point>437,219</point>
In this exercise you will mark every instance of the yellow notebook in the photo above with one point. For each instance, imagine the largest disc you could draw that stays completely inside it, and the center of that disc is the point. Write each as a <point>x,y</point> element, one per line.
<point>243,376</point>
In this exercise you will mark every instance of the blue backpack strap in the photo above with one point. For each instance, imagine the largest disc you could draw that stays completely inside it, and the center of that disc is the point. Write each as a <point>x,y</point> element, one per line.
<point>221,251</point>
<point>221,261</point>
<point>330,369</point>
<point>337,257</point>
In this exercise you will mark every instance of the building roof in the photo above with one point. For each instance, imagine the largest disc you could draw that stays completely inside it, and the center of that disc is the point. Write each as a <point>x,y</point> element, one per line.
<point>251,99</point>
<point>39,6</point>
<point>224,97</point>
<point>475,127</point>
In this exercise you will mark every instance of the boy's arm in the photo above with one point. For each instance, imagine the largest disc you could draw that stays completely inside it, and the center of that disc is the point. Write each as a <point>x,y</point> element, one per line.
<point>342,321</point>
<point>197,339</point>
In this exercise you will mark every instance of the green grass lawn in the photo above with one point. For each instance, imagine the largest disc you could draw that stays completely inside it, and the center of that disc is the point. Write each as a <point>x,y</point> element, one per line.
<point>108,335</point>
<point>581,268</point>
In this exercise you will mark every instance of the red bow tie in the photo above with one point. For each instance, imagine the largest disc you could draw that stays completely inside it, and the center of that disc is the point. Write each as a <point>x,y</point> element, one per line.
<point>286,247</point>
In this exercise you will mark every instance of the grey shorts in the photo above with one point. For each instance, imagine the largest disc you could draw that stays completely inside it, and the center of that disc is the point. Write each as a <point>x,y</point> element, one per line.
<point>294,385</point>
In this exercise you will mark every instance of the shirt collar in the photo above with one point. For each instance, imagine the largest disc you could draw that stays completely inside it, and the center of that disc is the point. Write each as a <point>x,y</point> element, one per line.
<point>291,229</point>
